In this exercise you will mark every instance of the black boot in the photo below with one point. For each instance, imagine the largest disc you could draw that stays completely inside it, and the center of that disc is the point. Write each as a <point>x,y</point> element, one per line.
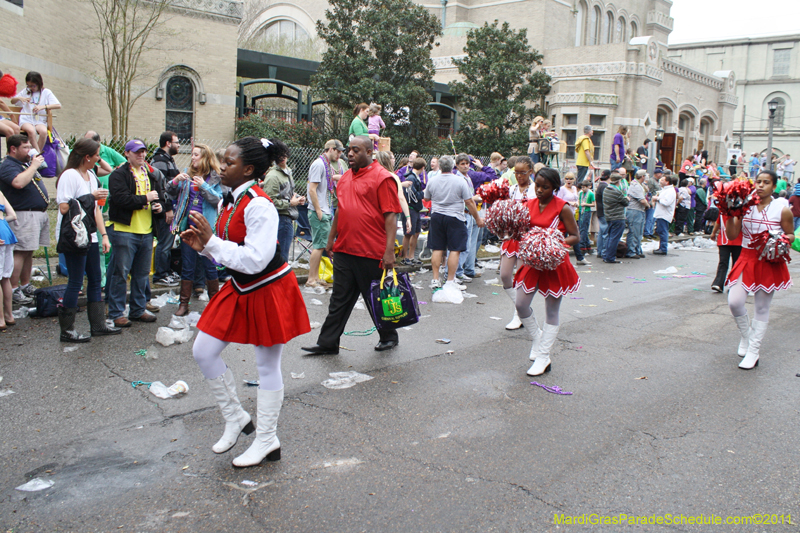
<point>66,318</point>
<point>97,320</point>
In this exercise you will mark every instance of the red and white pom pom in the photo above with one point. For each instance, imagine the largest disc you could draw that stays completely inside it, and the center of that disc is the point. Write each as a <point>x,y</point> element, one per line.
<point>508,218</point>
<point>542,248</point>
<point>772,247</point>
<point>492,192</point>
<point>735,197</point>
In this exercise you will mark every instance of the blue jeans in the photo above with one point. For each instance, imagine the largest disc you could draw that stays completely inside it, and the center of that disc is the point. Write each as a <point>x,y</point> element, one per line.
<point>796,223</point>
<point>649,221</point>
<point>162,253</point>
<point>615,165</point>
<point>535,157</point>
<point>285,233</point>
<point>132,255</point>
<point>615,229</point>
<point>466,263</point>
<point>602,235</point>
<point>635,229</point>
<point>583,224</point>
<point>77,265</point>
<point>662,229</point>
<point>189,260</point>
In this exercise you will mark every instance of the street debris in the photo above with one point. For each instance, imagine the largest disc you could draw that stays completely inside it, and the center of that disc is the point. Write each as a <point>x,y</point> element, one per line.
<point>344,380</point>
<point>35,485</point>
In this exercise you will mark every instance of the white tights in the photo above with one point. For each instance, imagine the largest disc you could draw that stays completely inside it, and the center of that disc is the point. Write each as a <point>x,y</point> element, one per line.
<point>507,265</point>
<point>737,296</point>
<point>207,350</point>
<point>551,306</point>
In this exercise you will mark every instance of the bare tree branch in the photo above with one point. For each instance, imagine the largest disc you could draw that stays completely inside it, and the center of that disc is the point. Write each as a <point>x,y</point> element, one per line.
<point>126,31</point>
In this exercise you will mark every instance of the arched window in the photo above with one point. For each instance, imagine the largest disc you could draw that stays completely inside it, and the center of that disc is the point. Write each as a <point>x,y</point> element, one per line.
<point>594,26</point>
<point>620,31</point>
<point>581,20</point>
<point>780,113</point>
<point>284,30</point>
<point>180,106</point>
<point>634,30</point>
<point>608,28</point>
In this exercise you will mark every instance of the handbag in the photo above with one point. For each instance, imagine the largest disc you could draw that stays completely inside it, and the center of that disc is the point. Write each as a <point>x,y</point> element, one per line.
<point>393,302</point>
<point>73,237</point>
<point>326,270</point>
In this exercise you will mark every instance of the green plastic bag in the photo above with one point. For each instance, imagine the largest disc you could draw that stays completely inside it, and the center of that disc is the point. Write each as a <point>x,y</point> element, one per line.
<point>796,241</point>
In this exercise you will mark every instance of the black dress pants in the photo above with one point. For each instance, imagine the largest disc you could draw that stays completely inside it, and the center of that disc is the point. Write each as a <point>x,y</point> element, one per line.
<point>352,275</point>
<point>726,253</point>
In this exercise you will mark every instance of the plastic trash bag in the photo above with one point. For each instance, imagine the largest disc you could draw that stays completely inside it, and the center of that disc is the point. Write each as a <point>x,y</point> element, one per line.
<point>168,336</point>
<point>177,322</point>
<point>344,380</point>
<point>449,294</point>
<point>162,391</point>
<point>668,270</point>
<point>192,318</point>
<point>36,484</point>
<point>22,312</point>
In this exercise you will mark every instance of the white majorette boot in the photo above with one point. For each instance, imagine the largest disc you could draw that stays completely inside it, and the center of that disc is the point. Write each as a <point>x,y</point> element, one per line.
<point>757,331</point>
<point>542,362</point>
<point>236,419</point>
<point>266,444</point>
<point>743,323</point>
<point>534,333</point>
<point>515,323</point>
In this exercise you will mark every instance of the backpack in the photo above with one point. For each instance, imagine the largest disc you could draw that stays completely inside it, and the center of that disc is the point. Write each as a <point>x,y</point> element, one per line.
<point>48,299</point>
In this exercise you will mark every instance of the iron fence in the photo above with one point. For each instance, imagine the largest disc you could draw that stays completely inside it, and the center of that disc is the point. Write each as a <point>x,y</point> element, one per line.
<point>300,158</point>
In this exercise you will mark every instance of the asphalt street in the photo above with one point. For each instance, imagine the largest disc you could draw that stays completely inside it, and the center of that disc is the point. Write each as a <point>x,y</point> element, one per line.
<point>445,437</point>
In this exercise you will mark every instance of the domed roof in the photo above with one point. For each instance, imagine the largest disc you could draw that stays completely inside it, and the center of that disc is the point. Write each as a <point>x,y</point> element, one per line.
<point>459,29</point>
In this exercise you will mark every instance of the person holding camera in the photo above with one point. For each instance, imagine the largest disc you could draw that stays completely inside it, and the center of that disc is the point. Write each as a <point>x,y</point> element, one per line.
<point>135,195</point>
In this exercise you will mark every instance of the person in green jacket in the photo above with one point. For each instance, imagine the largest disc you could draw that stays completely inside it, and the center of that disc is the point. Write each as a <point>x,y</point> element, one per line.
<point>279,186</point>
<point>359,125</point>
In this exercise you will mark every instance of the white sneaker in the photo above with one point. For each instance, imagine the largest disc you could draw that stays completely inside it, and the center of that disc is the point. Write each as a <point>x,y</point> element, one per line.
<point>435,284</point>
<point>459,284</point>
<point>583,262</point>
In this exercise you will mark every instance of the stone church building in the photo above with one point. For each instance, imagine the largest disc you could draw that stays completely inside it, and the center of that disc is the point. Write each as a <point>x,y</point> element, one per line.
<point>609,62</point>
<point>609,67</point>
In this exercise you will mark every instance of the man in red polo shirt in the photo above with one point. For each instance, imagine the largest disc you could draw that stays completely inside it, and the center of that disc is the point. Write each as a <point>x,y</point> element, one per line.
<point>361,242</point>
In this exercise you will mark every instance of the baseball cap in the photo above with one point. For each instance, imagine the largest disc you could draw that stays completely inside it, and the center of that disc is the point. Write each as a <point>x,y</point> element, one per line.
<point>334,143</point>
<point>658,171</point>
<point>134,145</point>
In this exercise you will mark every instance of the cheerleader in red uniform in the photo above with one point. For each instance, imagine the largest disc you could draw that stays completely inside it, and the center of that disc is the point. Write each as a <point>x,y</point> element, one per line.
<point>751,274</point>
<point>522,191</point>
<point>547,210</point>
<point>260,305</point>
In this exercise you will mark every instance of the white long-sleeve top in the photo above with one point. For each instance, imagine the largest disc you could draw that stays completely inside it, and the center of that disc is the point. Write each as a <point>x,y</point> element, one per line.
<point>260,242</point>
<point>665,207</point>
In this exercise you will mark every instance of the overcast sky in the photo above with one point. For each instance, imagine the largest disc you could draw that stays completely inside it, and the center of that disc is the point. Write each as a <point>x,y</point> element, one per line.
<point>708,20</point>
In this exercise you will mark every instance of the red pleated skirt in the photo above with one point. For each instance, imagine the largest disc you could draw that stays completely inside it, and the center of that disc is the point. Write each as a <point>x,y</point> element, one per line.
<point>760,275</point>
<point>274,314</point>
<point>563,280</point>
<point>510,248</point>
